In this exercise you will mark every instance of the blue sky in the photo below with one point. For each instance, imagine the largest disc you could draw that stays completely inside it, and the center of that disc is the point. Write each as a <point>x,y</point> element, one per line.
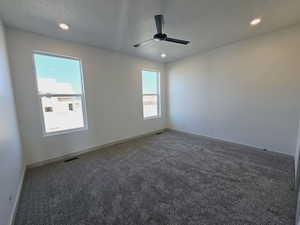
<point>149,82</point>
<point>62,69</point>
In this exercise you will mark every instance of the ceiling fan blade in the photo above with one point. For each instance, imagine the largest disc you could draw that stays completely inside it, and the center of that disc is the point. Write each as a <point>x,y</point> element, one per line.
<point>159,21</point>
<point>178,41</point>
<point>143,43</point>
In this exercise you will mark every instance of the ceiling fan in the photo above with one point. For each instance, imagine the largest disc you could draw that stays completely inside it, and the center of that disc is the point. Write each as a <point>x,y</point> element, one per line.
<point>160,36</point>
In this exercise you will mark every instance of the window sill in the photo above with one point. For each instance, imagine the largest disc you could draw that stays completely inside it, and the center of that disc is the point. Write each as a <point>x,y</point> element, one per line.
<point>65,132</point>
<point>152,117</point>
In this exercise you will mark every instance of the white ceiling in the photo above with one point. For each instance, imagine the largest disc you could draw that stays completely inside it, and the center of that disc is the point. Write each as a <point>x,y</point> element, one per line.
<point>118,24</point>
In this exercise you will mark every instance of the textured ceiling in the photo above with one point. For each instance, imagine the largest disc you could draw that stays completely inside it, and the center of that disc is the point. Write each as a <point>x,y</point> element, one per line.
<point>118,24</point>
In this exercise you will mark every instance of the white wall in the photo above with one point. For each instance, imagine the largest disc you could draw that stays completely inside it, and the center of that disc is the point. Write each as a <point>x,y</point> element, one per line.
<point>11,162</point>
<point>113,96</point>
<point>247,92</point>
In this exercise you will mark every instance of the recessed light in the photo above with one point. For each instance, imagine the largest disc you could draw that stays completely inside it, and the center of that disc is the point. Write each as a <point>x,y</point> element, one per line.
<point>163,55</point>
<point>64,26</point>
<point>255,21</point>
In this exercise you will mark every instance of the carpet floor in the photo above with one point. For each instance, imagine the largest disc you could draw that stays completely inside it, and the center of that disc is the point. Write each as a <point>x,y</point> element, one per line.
<point>166,179</point>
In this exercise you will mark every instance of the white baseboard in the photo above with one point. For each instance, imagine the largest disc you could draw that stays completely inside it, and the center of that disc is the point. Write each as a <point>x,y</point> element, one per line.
<point>73,154</point>
<point>17,198</point>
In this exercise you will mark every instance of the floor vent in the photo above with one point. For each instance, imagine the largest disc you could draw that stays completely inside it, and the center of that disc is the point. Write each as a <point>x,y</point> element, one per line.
<point>71,159</point>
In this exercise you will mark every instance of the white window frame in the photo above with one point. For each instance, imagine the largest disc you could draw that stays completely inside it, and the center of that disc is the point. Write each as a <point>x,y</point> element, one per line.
<point>158,95</point>
<point>82,95</point>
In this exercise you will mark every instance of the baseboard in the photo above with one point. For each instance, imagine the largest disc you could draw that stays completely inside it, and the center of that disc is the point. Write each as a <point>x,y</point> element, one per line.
<point>17,198</point>
<point>69,155</point>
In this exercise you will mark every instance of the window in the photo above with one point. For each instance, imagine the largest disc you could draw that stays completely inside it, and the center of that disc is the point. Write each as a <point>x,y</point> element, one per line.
<point>60,89</point>
<point>151,95</point>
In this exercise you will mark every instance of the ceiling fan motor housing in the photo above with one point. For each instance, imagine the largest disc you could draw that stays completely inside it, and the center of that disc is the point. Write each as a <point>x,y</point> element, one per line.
<point>160,37</point>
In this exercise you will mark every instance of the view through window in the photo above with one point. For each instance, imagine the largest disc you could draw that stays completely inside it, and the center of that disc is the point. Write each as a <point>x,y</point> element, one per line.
<point>60,89</point>
<point>151,98</point>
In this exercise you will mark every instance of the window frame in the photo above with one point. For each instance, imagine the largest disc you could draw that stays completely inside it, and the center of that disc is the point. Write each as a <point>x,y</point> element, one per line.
<point>39,96</point>
<point>158,94</point>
